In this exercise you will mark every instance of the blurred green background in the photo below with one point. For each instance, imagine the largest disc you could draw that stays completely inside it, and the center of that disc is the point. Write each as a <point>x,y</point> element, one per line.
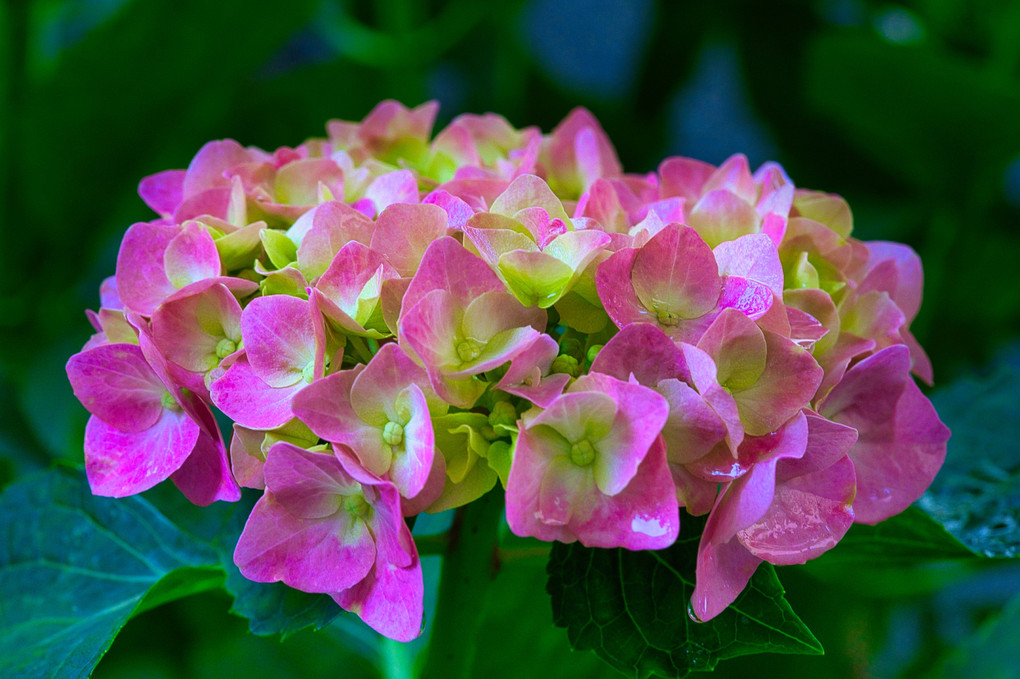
<point>909,110</point>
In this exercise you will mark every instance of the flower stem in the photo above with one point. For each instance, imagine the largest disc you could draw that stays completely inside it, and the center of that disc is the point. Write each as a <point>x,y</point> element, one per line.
<point>469,566</point>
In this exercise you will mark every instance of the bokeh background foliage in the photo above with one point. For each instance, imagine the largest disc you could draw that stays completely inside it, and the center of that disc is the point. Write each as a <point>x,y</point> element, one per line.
<point>910,110</point>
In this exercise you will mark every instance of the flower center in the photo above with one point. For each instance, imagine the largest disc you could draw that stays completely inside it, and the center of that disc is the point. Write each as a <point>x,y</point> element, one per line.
<point>393,433</point>
<point>468,350</point>
<point>667,318</point>
<point>582,453</point>
<point>225,347</point>
<point>355,505</point>
<point>166,399</point>
<point>308,374</point>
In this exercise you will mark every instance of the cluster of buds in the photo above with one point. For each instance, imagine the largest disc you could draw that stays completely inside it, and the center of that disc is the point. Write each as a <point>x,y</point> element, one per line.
<point>397,323</point>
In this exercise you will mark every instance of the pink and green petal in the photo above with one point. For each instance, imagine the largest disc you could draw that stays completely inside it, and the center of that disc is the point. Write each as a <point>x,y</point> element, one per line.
<point>753,257</point>
<point>196,331</point>
<point>403,233</point>
<point>675,275</point>
<point>248,400</point>
<point>321,232</point>
<point>191,256</point>
<point>280,339</point>
<point>721,216</point>
<point>141,273</point>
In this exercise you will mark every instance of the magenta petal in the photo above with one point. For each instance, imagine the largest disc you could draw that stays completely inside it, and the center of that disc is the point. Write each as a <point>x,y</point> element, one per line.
<point>188,329</point>
<point>644,515</point>
<point>313,555</point>
<point>828,442</point>
<point>410,469</point>
<point>537,357</point>
<point>307,484</point>
<point>457,211</point>
<point>430,331</point>
<point>163,191</point>
<point>751,298</point>
<point>693,427</point>
<point>896,269</point>
<point>747,498</point>
<point>567,491</point>
<point>808,516</point>
<point>209,166</point>
<point>616,292</point>
<point>447,265</point>
<point>279,338</point>
<point>388,373</point>
<point>247,458</point>
<point>141,274</point>
<point>117,385</point>
<point>722,572</point>
<point>205,476</point>
<point>644,351</point>
<point>640,416</point>
<point>404,231</point>
<point>118,464</point>
<point>870,390</point>
<point>675,272</point>
<point>683,177</point>
<point>530,462</point>
<point>325,407</point>
<point>324,230</point>
<point>896,455</point>
<point>389,600</point>
<point>789,381</point>
<point>399,186</point>
<point>733,175</point>
<point>249,401</point>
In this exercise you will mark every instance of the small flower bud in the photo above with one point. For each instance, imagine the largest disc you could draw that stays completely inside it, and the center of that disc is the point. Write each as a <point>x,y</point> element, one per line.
<point>503,413</point>
<point>564,363</point>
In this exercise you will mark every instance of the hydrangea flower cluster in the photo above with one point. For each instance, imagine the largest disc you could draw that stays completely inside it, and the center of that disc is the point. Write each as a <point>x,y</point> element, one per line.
<point>397,323</point>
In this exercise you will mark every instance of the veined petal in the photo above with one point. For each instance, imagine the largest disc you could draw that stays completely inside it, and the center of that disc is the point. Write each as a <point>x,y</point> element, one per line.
<point>117,385</point>
<point>279,338</point>
<point>119,463</point>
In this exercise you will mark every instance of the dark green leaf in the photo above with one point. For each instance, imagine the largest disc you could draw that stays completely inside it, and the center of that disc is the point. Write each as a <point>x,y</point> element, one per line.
<point>631,609</point>
<point>271,608</point>
<point>908,537</point>
<point>74,568</point>
<point>977,493</point>
<point>275,608</point>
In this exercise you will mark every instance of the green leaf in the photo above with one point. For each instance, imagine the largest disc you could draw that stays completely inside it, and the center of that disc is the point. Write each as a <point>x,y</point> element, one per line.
<point>270,607</point>
<point>976,496</point>
<point>74,568</point>
<point>906,538</point>
<point>631,609</point>
<point>274,608</point>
